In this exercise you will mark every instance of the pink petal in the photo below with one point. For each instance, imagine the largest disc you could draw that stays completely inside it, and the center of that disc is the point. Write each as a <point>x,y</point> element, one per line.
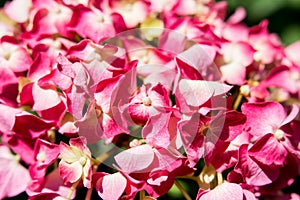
<point>18,10</point>
<point>292,52</point>
<point>234,73</point>
<point>292,115</point>
<point>67,153</point>
<point>263,118</point>
<point>135,159</point>
<point>70,172</point>
<point>44,98</point>
<point>268,145</point>
<point>10,173</point>
<point>223,192</point>
<point>80,143</point>
<point>156,131</point>
<point>113,186</point>
<point>89,126</point>
<point>197,92</point>
<point>199,57</point>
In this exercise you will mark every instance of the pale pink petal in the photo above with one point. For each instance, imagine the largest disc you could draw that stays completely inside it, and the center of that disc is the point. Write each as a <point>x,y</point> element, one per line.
<point>87,172</point>
<point>292,52</point>
<point>113,186</point>
<point>238,16</point>
<point>199,57</point>
<point>248,195</point>
<point>234,73</point>
<point>223,192</point>
<point>18,10</point>
<point>44,98</point>
<point>10,173</point>
<point>197,92</point>
<point>68,154</point>
<point>135,159</point>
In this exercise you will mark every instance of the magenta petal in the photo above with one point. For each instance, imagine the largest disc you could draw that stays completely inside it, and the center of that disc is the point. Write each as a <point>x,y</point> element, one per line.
<point>292,115</point>
<point>135,159</point>
<point>263,118</point>
<point>270,146</point>
<point>253,172</point>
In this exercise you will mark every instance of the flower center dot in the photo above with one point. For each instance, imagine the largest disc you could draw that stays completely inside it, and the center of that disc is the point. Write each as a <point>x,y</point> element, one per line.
<point>82,160</point>
<point>279,134</point>
<point>147,101</point>
<point>41,156</point>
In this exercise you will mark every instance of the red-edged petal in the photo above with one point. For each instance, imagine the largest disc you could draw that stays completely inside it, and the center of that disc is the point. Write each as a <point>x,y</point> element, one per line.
<point>70,172</point>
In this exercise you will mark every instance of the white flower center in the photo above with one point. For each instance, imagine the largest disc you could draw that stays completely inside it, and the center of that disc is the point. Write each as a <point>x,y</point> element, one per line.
<point>279,134</point>
<point>41,156</point>
<point>147,101</point>
<point>82,160</point>
<point>245,90</point>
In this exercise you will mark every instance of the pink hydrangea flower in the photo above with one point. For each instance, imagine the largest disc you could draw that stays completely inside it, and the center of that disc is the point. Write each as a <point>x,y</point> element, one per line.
<point>76,162</point>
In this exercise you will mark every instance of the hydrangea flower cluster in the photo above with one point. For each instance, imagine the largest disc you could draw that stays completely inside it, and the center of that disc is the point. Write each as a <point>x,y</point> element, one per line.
<point>126,98</point>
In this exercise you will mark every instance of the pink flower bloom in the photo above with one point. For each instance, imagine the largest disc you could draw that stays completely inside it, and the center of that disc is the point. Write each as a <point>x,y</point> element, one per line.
<point>147,102</point>
<point>13,55</point>
<point>46,18</point>
<point>10,172</point>
<point>76,162</point>
<point>92,23</point>
<point>237,56</point>
<point>20,129</point>
<point>265,120</point>
<point>205,136</point>
<point>268,46</point>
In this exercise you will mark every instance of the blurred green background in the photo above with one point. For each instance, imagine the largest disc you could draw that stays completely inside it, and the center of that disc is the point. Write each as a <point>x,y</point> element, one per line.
<point>283,15</point>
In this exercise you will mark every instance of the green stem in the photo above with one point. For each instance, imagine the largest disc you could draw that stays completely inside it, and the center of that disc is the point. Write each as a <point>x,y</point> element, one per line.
<point>142,194</point>
<point>72,189</point>
<point>237,101</point>
<point>181,189</point>
<point>191,177</point>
